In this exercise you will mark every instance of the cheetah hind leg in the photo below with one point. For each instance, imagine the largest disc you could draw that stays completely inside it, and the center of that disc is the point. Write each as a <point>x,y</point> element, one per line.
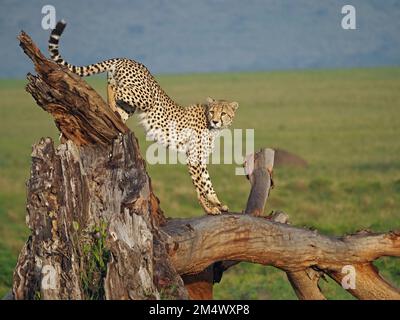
<point>111,97</point>
<point>114,105</point>
<point>124,104</point>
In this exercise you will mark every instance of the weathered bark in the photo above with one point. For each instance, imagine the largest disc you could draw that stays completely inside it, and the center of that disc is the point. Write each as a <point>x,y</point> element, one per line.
<point>291,249</point>
<point>78,110</point>
<point>200,285</point>
<point>97,230</point>
<point>259,168</point>
<point>93,215</point>
<point>369,284</point>
<point>260,240</point>
<point>305,284</point>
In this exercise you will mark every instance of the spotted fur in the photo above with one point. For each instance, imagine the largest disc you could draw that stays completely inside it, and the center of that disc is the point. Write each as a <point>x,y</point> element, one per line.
<point>191,130</point>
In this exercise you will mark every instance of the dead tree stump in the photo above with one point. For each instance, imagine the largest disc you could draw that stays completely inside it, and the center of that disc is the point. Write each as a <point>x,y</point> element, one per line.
<point>91,209</point>
<point>97,230</point>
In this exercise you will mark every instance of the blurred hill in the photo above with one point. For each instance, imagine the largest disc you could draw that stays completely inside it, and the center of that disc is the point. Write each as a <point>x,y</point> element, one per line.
<point>180,36</point>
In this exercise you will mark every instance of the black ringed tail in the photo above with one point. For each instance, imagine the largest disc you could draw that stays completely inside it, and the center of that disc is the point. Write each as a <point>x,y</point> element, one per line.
<point>83,71</point>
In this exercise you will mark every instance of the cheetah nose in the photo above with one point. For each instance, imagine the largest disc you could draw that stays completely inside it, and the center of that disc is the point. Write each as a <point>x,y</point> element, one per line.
<point>215,122</point>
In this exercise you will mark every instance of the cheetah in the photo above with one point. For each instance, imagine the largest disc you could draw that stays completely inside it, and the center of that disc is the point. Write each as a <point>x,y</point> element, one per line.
<point>191,130</point>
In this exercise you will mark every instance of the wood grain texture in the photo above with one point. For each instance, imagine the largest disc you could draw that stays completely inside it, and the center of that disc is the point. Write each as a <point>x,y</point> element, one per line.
<point>95,178</point>
<point>258,167</point>
<point>245,238</point>
<point>79,112</point>
<point>203,241</point>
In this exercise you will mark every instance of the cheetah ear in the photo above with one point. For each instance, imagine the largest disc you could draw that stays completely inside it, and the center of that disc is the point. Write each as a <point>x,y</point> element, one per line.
<point>210,100</point>
<point>234,105</point>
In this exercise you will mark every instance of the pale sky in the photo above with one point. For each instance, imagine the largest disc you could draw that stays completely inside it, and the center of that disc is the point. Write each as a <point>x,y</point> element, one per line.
<point>178,36</point>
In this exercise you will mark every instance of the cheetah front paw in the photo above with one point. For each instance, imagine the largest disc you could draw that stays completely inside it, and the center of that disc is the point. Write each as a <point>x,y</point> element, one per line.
<point>217,209</point>
<point>224,208</point>
<point>208,207</point>
<point>216,203</point>
<point>213,211</point>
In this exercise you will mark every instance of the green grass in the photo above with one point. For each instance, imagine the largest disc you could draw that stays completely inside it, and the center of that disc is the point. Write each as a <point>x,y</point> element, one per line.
<point>345,123</point>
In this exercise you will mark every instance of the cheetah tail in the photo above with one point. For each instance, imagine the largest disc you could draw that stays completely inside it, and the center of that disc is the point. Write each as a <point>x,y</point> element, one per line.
<point>81,71</point>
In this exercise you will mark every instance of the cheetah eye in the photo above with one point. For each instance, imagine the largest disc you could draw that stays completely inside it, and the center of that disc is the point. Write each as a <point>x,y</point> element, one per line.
<point>211,113</point>
<point>223,114</point>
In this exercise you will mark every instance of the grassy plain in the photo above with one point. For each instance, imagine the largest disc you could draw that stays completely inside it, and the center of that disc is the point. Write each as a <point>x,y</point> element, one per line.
<point>345,123</point>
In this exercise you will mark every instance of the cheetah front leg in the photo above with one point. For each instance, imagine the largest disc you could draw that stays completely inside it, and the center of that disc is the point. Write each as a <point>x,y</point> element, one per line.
<point>205,192</point>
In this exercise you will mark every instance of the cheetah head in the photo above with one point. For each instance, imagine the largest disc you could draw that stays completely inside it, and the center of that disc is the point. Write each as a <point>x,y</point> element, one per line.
<point>220,113</point>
